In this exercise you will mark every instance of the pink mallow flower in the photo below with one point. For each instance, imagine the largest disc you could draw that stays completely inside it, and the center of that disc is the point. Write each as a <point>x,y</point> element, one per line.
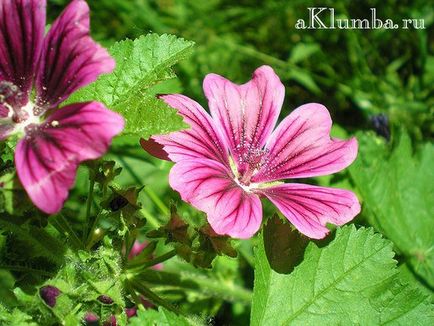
<point>227,161</point>
<point>53,140</point>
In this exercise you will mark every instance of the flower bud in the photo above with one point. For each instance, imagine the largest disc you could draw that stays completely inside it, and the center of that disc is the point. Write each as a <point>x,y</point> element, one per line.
<point>137,249</point>
<point>90,319</point>
<point>105,299</point>
<point>49,294</point>
<point>118,203</point>
<point>131,312</point>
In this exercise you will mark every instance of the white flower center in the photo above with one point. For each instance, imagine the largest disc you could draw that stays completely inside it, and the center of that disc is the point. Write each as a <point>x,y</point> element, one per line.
<point>31,118</point>
<point>246,188</point>
<point>20,118</point>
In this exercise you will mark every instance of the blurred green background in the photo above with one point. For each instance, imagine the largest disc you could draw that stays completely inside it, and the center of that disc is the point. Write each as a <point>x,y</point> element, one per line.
<point>355,73</point>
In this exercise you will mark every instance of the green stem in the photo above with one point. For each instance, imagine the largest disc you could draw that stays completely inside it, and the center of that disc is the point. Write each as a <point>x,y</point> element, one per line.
<point>89,205</point>
<point>62,225</point>
<point>90,197</point>
<point>146,264</point>
<point>93,237</point>
<point>129,289</point>
<point>125,153</point>
<point>130,170</point>
<point>150,218</point>
<point>193,281</point>
<point>151,194</point>
<point>154,298</point>
<point>157,201</point>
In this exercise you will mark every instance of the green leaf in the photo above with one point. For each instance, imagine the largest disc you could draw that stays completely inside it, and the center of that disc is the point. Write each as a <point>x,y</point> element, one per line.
<point>82,280</point>
<point>29,242</point>
<point>305,79</point>
<point>15,318</point>
<point>206,284</point>
<point>162,317</point>
<point>353,280</point>
<point>13,198</point>
<point>397,189</point>
<point>284,246</point>
<point>7,282</point>
<point>141,66</point>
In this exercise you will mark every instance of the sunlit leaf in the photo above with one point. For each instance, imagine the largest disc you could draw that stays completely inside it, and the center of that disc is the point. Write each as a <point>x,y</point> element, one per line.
<point>353,280</point>
<point>162,317</point>
<point>141,65</point>
<point>397,189</point>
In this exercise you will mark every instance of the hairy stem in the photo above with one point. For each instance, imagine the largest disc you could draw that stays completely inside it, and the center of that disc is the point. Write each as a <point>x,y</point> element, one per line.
<point>153,262</point>
<point>89,202</point>
<point>90,197</point>
<point>63,226</point>
<point>151,194</point>
<point>151,296</point>
<point>193,281</point>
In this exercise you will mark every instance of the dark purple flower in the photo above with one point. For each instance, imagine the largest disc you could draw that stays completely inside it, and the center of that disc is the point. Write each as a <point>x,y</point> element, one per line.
<point>54,140</point>
<point>90,319</point>
<point>105,299</point>
<point>49,294</point>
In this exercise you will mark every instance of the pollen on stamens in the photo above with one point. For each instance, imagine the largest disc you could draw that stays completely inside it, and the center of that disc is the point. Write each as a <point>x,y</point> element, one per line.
<point>54,123</point>
<point>254,157</point>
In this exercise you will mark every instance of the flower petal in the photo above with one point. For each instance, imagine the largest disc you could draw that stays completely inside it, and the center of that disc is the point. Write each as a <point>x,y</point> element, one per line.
<point>5,131</point>
<point>6,125</point>
<point>137,248</point>
<point>208,186</point>
<point>154,148</point>
<point>4,111</point>
<point>200,141</point>
<point>309,208</point>
<point>246,114</point>
<point>70,58</point>
<point>22,24</point>
<point>301,147</point>
<point>48,156</point>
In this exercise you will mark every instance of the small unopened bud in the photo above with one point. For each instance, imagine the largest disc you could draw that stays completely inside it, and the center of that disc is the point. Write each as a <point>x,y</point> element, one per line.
<point>90,319</point>
<point>111,321</point>
<point>105,299</point>
<point>49,294</point>
<point>380,123</point>
<point>131,312</point>
<point>137,249</point>
<point>117,203</point>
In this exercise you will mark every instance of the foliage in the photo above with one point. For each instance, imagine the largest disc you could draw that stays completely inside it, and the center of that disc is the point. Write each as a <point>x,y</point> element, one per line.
<point>162,317</point>
<point>141,65</point>
<point>397,189</point>
<point>352,280</point>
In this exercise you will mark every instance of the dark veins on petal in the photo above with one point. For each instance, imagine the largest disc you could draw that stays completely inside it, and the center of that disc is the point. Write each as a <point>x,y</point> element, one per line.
<point>22,26</point>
